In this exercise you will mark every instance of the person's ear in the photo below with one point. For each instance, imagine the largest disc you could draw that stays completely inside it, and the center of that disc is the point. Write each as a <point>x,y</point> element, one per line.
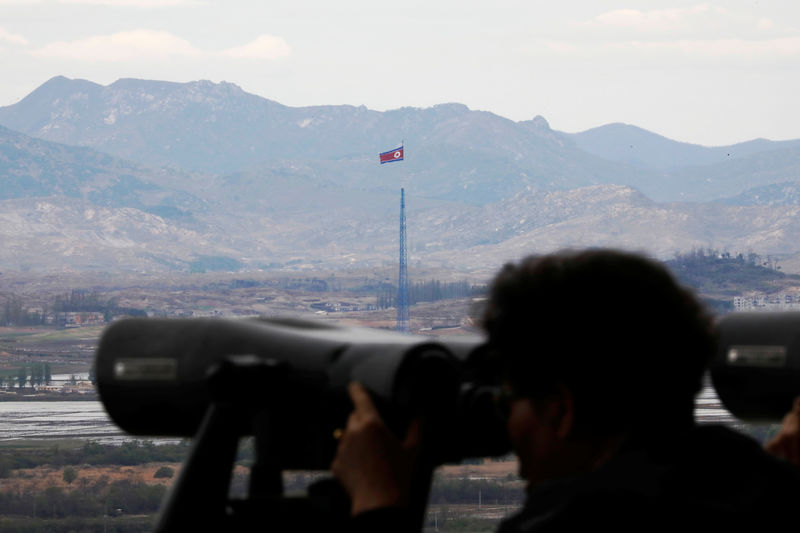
<point>561,411</point>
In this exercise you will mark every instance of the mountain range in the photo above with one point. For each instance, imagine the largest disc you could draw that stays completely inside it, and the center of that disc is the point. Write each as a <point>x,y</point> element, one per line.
<point>151,175</point>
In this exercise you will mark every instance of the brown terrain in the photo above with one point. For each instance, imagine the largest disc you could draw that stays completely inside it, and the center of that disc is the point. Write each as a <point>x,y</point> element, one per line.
<point>495,470</point>
<point>40,478</point>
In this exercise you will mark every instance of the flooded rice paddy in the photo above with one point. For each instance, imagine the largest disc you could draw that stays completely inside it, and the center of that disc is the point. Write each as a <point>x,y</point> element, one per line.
<point>88,419</point>
<point>57,420</point>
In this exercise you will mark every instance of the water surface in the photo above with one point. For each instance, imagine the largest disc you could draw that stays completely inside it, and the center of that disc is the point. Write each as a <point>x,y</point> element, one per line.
<point>88,419</point>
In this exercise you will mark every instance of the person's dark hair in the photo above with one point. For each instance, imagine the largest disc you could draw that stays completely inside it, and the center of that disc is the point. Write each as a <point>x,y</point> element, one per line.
<point>614,327</point>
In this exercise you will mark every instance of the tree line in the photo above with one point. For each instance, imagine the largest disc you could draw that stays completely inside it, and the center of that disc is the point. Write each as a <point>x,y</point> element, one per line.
<point>16,312</point>
<point>130,453</point>
<point>37,374</point>
<point>700,256</point>
<point>428,291</point>
<point>85,499</point>
<point>713,271</point>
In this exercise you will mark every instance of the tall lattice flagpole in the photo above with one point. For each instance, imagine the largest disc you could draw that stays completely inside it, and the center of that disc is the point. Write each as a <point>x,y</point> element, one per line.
<point>402,284</point>
<point>393,156</point>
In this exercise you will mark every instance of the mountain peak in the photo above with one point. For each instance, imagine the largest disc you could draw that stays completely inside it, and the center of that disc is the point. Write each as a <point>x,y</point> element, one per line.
<point>56,80</point>
<point>201,85</point>
<point>213,85</point>
<point>540,123</point>
<point>451,107</point>
<point>58,86</point>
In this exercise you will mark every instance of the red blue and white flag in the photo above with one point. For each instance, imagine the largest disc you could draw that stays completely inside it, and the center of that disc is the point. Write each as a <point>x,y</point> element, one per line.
<point>392,155</point>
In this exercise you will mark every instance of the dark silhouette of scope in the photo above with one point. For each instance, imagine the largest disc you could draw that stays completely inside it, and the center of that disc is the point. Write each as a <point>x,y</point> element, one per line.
<point>756,371</point>
<point>158,377</point>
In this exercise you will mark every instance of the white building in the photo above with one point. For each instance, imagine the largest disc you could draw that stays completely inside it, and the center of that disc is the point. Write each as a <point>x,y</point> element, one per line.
<point>784,301</point>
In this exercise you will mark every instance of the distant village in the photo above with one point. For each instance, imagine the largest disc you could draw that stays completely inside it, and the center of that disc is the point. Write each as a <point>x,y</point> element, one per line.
<point>782,301</point>
<point>45,388</point>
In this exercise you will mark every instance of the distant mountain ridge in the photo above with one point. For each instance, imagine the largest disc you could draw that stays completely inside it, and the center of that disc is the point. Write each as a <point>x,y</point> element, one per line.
<point>149,175</point>
<point>641,148</point>
<point>454,153</point>
<point>35,168</point>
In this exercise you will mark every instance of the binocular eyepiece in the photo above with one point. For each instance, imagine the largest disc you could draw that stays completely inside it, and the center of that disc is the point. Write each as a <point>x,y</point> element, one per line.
<point>756,370</point>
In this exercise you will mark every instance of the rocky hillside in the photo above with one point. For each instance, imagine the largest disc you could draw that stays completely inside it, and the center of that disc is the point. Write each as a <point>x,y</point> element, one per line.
<point>453,153</point>
<point>157,176</point>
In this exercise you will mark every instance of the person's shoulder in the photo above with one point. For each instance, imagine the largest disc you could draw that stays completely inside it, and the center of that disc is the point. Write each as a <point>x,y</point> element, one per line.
<point>735,454</point>
<point>709,476</point>
<point>385,519</point>
<point>618,510</point>
<point>726,478</point>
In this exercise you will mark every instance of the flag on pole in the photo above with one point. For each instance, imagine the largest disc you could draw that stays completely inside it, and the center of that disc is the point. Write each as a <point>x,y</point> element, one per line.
<point>392,155</point>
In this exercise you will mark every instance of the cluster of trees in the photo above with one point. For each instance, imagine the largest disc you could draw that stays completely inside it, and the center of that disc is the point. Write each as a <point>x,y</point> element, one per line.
<point>84,499</point>
<point>306,284</point>
<point>37,374</point>
<point>14,312</point>
<point>428,291</point>
<point>716,272</point>
<point>79,300</point>
<point>129,453</point>
<point>711,255</point>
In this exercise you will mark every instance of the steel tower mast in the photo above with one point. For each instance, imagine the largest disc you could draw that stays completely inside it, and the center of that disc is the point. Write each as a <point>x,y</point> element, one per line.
<point>402,285</point>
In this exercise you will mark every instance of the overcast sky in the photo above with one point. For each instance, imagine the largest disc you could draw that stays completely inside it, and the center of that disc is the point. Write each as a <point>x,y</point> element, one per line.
<point>710,73</point>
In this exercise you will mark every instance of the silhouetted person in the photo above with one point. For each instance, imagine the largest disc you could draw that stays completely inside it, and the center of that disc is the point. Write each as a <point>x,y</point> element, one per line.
<point>602,355</point>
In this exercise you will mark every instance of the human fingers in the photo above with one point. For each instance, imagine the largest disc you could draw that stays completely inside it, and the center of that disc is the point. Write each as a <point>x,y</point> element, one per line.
<point>362,403</point>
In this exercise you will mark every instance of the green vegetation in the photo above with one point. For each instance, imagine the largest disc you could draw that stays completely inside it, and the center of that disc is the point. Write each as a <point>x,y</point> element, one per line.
<point>164,472</point>
<point>15,312</point>
<point>69,475</point>
<point>91,453</point>
<point>88,500</point>
<point>36,374</point>
<point>88,505</point>
<point>719,276</point>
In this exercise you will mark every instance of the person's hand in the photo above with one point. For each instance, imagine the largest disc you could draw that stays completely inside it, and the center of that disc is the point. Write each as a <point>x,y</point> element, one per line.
<point>373,466</point>
<point>786,444</point>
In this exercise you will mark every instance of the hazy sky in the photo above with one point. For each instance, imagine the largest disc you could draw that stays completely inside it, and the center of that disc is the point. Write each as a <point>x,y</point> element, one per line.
<point>710,73</point>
